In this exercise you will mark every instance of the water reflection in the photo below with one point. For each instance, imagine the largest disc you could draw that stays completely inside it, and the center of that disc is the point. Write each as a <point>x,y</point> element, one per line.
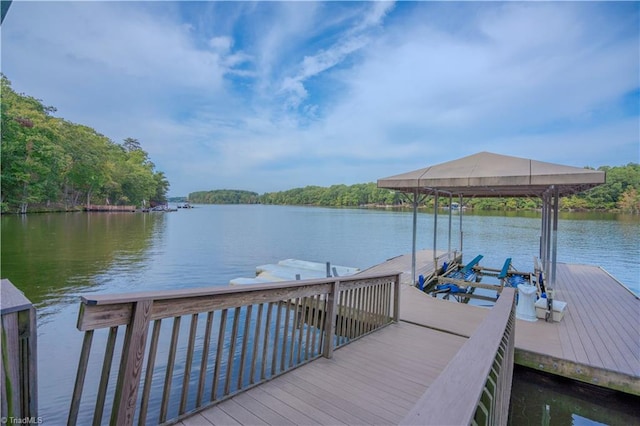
<point>541,399</point>
<point>53,258</point>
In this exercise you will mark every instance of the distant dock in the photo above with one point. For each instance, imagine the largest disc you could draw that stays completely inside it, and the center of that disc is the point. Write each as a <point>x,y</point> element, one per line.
<point>108,208</point>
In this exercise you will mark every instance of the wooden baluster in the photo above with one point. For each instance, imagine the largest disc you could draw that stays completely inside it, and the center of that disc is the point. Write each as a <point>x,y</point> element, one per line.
<point>316,318</point>
<point>205,358</point>
<point>396,300</point>
<point>245,342</point>
<point>188,363</point>
<point>80,376</point>
<point>285,336</point>
<point>302,316</point>
<point>256,344</point>
<point>232,350</point>
<point>342,318</point>
<point>274,361</point>
<point>219,353</point>
<point>308,315</point>
<point>294,328</point>
<point>104,378</point>
<point>265,345</point>
<point>359,316</point>
<point>135,340</point>
<point>148,377</point>
<point>169,373</point>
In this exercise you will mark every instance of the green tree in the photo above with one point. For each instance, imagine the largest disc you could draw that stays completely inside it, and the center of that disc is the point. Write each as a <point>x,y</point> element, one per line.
<point>31,161</point>
<point>49,160</point>
<point>630,200</point>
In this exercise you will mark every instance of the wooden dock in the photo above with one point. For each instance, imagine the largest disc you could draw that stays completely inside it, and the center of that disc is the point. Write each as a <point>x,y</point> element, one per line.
<point>366,349</point>
<point>597,342</point>
<point>109,208</point>
<point>379,378</point>
<point>375,380</point>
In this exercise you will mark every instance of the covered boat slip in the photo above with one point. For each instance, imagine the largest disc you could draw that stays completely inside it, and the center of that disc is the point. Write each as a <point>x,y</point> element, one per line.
<point>597,341</point>
<point>487,174</point>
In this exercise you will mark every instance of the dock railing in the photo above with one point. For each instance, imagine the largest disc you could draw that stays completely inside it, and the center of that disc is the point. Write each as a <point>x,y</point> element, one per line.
<point>479,395</point>
<point>19,359</point>
<point>249,334</point>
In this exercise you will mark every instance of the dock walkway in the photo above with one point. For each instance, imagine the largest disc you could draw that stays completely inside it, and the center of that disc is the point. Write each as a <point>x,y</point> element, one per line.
<point>596,342</point>
<point>375,380</point>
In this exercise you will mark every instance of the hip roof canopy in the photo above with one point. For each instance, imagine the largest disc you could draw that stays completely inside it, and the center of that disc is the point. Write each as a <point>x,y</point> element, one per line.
<point>486,174</point>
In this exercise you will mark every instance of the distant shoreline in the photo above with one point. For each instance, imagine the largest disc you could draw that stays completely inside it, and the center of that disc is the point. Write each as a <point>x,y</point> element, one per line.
<point>80,209</point>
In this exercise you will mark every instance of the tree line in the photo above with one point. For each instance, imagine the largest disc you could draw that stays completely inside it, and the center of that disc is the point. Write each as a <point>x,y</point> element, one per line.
<point>224,196</point>
<point>621,192</point>
<point>49,163</point>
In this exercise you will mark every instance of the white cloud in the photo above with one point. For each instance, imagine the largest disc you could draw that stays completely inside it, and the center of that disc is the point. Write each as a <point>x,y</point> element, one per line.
<point>422,85</point>
<point>273,95</point>
<point>221,44</point>
<point>352,39</point>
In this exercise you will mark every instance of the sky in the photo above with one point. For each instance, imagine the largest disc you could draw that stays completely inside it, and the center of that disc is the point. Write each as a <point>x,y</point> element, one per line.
<point>269,96</point>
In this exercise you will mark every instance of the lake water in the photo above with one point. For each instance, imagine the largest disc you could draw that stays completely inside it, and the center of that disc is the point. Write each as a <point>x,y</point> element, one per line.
<point>55,258</point>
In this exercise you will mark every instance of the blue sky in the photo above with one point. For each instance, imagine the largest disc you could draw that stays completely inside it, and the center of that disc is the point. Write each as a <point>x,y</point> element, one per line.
<point>268,96</point>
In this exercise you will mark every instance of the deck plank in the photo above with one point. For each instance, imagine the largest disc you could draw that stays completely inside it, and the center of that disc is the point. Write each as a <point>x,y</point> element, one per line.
<point>361,385</point>
<point>359,399</point>
<point>453,317</point>
<point>293,415</point>
<point>262,411</point>
<point>322,408</point>
<point>240,413</point>
<point>195,420</point>
<point>298,399</point>
<point>609,341</point>
<point>598,317</point>
<point>529,336</point>
<point>216,416</point>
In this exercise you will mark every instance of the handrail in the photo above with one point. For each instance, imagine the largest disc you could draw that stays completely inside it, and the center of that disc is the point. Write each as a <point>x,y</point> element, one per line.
<point>19,387</point>
<point>252,333</point>
<point>479,395</point>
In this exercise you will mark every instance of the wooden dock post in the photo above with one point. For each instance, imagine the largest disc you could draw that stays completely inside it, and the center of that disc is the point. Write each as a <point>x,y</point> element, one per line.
<point>19,354</point>
<point>131,364</point>
<point>330,318</point>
